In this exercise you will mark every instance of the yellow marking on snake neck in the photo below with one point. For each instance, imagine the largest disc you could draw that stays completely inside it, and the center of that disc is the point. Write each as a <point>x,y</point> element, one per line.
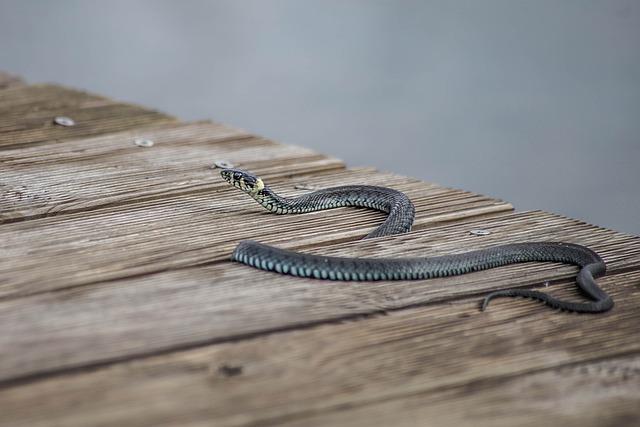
<point>258,186</point>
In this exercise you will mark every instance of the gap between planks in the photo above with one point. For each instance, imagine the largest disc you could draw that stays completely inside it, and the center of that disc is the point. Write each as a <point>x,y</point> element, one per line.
<point>28,113</point>
<point>74,249</point>
<point>126,308</point>
<point>301,374</point>
<point>111,170</point>
<point>584,394</point>
<point>132,317</point>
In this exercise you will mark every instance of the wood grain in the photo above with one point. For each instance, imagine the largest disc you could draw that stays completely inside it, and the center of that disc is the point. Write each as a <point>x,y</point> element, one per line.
<point>190,229</point>
<point>119,305</point>
<point>8,80</point>
<point>226,301</point>
<point>28,112</point>
<point>290,377</point>
<point>600,393</point>
<point>80,175</point>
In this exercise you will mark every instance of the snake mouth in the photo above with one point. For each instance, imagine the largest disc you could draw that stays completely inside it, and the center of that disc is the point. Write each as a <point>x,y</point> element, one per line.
<point>226,176</point>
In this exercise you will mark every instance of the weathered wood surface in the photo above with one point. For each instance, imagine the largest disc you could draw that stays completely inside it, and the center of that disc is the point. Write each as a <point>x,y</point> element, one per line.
<point>7,80</point>
<point>224,301</point>
<point>28,114</point>
<point>118,305</point>
<point>448,354</point>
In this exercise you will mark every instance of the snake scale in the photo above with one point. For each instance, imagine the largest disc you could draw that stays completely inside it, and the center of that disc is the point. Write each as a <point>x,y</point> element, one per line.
<point>400,212</point>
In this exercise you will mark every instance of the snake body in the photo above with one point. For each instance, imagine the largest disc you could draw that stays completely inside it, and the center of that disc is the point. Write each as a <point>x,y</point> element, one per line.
<point>396,204</point>
<point>400,220</point>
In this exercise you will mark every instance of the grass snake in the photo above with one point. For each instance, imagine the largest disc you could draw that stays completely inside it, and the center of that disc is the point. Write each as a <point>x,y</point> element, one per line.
<point>400,212</point>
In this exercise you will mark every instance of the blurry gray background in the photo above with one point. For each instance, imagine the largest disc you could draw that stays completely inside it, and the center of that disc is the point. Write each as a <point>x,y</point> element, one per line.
<point>534,102</point>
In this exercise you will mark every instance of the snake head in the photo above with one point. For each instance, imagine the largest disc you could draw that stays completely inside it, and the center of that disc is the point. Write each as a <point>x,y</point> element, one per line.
<point>245,181</point>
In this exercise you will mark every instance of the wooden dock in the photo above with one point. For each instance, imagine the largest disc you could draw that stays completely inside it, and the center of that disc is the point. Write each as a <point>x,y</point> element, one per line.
<point>119,305</point>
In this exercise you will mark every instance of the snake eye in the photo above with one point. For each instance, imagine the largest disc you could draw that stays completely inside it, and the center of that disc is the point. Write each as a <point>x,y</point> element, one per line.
<point>237,176</point>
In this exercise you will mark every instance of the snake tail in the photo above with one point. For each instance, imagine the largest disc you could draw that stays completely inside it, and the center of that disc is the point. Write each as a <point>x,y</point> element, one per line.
<point>401,213</point>
<point>269,258</point>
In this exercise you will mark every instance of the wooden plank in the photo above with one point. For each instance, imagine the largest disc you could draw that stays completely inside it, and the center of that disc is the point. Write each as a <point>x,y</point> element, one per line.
<point>118,305</point>
<point>109,170</point>
<point>601,393</point>
<point>8,80</point>
<point>133,317</point>
<point>28,113</point>
<point>291,378</point>
<point>159,234</point>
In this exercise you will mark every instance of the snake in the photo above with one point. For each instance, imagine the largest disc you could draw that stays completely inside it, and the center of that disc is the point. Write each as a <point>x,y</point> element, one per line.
<point>400,215</point>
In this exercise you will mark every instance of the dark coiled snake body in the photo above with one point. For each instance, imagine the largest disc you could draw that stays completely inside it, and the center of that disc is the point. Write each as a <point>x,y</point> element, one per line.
<point>400,212</point>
